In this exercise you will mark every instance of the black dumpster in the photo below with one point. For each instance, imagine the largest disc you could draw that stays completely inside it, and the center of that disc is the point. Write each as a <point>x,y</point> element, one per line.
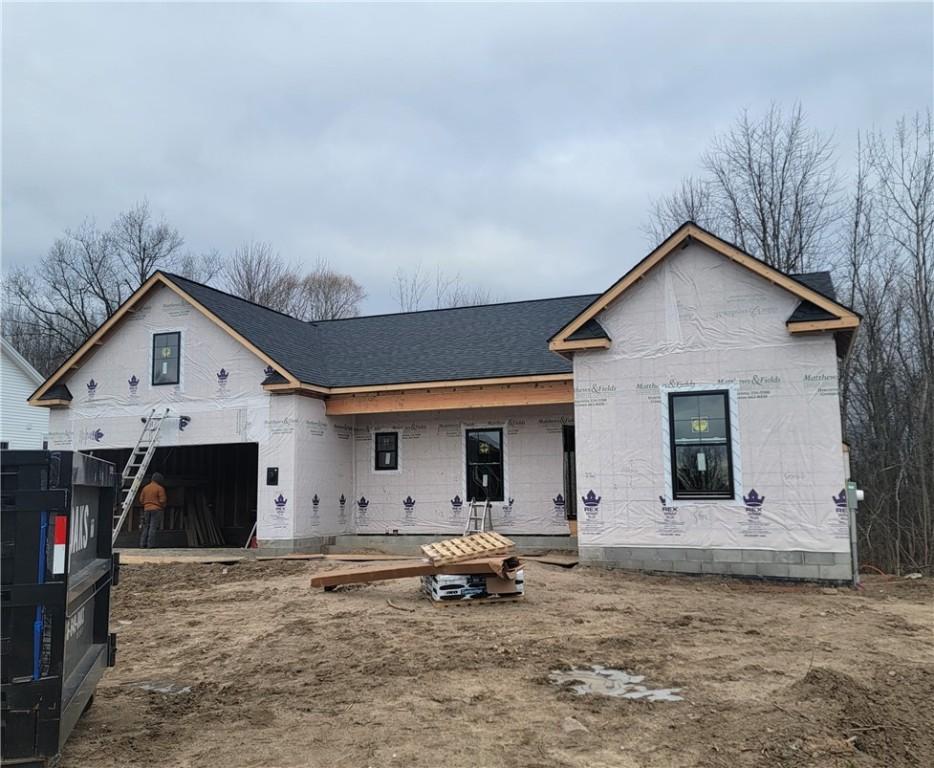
<point>56,572</point>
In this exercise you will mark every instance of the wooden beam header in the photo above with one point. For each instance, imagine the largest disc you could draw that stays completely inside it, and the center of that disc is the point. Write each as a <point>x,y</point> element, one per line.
<point>452,398</point>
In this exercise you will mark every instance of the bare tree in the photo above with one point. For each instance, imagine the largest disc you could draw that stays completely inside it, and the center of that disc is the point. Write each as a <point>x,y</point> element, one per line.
<point>769,186</point>
<point>51,307</point>
<point>693,201</point>
<point>143,245</point>
<point>411,290</point>
<point>889,376</point>
<point>325,294</point>
<point>202,268</point>
<point>55,305</point>
<point>258,273</point>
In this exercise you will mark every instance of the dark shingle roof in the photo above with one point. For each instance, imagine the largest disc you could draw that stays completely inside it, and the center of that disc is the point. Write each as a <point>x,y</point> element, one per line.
<point>292,343</point>
<point>589,330</point>
<point>806,311</point>
<point>57,392</point>
<point>489,341</point>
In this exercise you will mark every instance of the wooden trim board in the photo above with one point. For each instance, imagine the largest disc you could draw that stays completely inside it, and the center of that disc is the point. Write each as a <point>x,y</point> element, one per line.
<point>411,568</point>
<point>549,393</point>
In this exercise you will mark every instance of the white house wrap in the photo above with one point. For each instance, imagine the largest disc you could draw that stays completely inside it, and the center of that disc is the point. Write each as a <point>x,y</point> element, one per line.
<point>699,322</point>
<point>689,415</point>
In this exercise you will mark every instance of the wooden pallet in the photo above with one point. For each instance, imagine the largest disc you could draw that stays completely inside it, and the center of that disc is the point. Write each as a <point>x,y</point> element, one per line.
<point>478,600</point>
<point>471,547</point>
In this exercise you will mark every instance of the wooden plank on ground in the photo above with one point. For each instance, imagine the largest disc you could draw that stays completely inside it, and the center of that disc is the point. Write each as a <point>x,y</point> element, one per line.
<point>367,573</point>
<point>565,561</point>
<point>476,545</point>
<point>400,570</point>
<point>292,556</point>
<point>356,557</point>
<point>128,558</point>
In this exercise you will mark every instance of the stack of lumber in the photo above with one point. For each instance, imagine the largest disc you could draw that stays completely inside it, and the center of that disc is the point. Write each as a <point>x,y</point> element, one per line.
<point>200,526</point>
<point>483,554</point>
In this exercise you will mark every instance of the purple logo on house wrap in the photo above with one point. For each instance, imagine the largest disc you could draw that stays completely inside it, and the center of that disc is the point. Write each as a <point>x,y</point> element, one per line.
<point>342,502</point>
<point>183,421</point>
<point>591,500</point>
<point>753,499</point>
<point>456,503</point>
<point>269,370</point>
<point>314,503</point>
<point>92,387</point>
<point>362,507</point>
<point>560,507</point>
<point>222,376</point>
<point>133,384</point>
<point>408,504</point>
<point>840,501</point>
<point>591,506</point>
<point>96,435</point>
<point>280,501</point>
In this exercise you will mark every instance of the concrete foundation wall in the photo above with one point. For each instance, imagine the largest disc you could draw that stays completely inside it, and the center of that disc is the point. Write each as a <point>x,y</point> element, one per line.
<point>816,566</point>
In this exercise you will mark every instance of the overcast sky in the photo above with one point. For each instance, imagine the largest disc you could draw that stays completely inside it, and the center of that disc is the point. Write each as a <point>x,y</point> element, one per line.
<point>519,145</point>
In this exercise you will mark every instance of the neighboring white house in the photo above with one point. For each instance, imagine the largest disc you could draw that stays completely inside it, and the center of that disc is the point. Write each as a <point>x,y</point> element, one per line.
<point>21,426</point>
<point>688,415</point>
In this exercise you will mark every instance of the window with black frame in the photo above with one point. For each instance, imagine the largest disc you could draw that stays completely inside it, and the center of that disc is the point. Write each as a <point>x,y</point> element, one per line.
<point>165,354</point>
<point>387,450</point>
<point>701,451</point>
<point>485,465</point>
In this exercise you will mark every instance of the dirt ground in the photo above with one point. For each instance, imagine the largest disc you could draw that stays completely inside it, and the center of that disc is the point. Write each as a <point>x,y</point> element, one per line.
<point>284,675</point>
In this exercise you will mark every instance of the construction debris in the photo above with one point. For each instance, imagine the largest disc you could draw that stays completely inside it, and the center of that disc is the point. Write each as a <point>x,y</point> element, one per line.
<point>468,548</point>
<point>477,568</point>
<point>444,588</point>
<point>504,567</point>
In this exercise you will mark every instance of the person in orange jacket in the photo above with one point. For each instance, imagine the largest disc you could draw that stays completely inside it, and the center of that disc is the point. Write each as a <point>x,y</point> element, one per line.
<point>153,498</point>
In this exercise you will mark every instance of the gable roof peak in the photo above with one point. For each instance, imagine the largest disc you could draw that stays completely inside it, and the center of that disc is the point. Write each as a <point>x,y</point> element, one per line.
<point>841,316</point>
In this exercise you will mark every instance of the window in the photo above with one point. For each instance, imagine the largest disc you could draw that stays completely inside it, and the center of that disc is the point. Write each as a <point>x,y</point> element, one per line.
<point>387,450</point>
<point>165,353</point>
<point>485,465</point>
<point>701,453</point>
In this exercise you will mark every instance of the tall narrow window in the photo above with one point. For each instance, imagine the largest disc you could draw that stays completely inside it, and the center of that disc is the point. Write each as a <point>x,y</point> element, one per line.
<point>485,465</point>
<point>387,450</point>
<point>165,353</point>
<point>701,453</point>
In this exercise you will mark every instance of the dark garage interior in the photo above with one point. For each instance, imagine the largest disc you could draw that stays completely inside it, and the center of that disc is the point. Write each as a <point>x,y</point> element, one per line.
<point>211,493</point>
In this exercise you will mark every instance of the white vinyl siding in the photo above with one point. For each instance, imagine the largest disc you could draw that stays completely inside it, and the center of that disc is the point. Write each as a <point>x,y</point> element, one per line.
<point>21,425</point>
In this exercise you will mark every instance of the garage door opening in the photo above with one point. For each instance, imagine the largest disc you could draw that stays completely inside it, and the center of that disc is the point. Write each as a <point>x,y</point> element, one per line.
<point>211,492</point>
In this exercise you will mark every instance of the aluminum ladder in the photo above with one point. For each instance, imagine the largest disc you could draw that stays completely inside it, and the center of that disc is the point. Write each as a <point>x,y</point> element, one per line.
<point>138,463</point>
<point>479,521</point>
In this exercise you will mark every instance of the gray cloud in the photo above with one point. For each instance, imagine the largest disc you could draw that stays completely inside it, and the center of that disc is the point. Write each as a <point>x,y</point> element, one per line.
<point>517,144</point>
